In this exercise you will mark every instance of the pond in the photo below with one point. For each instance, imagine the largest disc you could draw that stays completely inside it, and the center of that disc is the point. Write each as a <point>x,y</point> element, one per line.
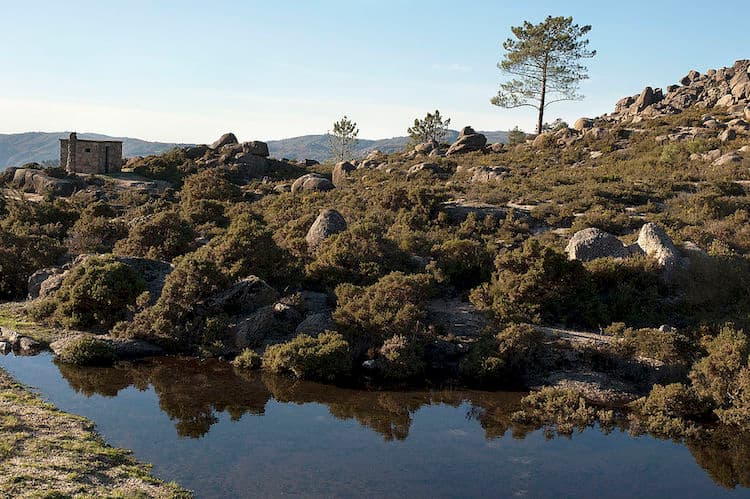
<point>227,434</point>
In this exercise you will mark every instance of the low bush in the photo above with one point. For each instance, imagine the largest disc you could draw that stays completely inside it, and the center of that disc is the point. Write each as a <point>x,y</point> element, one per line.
<point>538,284</point>
<point>325,358</point>
<point>395,305</point>
<point>401,357</point>
<point>162,237</point>
<point>564,408</point>
<point>670,411</point>
<point>87,351</point>
<point>247,359</point>
<point>501,359</point>
<point>97,293</point>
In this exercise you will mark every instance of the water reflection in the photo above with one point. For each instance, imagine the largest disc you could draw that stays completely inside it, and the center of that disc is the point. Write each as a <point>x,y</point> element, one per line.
<point>194,394</point>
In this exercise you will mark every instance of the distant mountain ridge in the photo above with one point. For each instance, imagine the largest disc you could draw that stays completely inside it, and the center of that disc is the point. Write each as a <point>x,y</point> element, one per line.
<point>316,146</point>
<point>19,148</point>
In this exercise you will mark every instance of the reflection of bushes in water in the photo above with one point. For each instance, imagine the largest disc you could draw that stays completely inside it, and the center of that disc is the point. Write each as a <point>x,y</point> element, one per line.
<point>191,392</point>
<point>387,413</point>
<point>724,453</point>
<point>97,380</point>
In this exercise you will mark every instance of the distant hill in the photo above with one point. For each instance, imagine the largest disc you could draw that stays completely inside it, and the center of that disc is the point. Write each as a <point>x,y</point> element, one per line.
<point>316,146</point>
<point>19,148</point>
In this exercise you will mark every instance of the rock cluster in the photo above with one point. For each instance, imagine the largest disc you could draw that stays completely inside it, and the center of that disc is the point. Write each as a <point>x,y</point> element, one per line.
<point>725,87</point>
<point>31,178</point>
<point>249,159</point>
<point>468,141</point>
<point>592,243</point>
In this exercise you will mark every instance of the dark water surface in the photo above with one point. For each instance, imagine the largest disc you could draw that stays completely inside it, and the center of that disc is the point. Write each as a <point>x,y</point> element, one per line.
<point>224,434</point>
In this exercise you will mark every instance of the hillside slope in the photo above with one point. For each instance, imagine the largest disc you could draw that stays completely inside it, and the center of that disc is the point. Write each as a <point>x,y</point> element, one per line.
<point>19,148</point>
<point>316,146</point>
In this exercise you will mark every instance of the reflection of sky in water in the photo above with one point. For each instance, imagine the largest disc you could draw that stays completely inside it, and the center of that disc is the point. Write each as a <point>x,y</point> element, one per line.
<point>270,437</point>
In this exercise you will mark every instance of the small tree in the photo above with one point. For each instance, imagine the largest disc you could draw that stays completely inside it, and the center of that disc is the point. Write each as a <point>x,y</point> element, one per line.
<point>432,127</point>
<point>543,61</point>
<point>343,139</point>
<point>516,136</point>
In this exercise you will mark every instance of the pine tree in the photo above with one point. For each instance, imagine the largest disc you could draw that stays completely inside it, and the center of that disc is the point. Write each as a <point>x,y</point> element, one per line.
<point>544,61</point>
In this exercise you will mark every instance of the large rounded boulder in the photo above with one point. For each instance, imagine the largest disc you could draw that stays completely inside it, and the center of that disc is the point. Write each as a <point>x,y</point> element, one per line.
<point>341,172</point>
<point>311,182</point>
<point>328,223</point>
<point>592,243</point>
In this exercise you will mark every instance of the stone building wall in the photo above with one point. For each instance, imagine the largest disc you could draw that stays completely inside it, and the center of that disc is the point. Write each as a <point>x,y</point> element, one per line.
<point>90,156</point>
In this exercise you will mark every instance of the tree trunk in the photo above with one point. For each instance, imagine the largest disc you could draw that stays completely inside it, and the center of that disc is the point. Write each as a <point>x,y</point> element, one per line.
<point>540,120</point>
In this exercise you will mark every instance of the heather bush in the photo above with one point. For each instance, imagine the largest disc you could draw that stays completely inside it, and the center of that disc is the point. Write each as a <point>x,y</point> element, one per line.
<point>324,358</point>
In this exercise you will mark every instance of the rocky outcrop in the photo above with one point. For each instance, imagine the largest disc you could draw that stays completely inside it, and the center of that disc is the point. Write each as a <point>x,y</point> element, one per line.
<point>328,223</point>
<point>485,174</point>
<point>36,181</point>
<point>225,140</point>
<point>311,182</point>
<point>468,141</point>
<point>424,168</point>
<point>245,297</point>
<point>38,278</point>
<point>592,243</point>
<point>458,210</point>
<point>316,323</point>
<point>583,124</point>
<point>727,87</point>
<point>256,148</point>
<point>341,172</point>
<point>123,348</point>
<point>267,325</point>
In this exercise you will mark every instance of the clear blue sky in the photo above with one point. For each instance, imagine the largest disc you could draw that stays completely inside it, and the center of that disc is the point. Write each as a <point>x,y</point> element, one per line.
<point>188,70</point>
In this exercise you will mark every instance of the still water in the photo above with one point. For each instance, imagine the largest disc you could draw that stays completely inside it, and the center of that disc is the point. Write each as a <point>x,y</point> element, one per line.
<point>227,434</point>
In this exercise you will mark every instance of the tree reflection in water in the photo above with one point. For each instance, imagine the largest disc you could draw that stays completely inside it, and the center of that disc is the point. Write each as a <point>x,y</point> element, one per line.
<point>192,393</point>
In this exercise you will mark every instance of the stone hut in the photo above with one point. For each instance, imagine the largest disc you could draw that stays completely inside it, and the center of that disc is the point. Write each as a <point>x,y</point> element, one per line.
<point>90,156</point>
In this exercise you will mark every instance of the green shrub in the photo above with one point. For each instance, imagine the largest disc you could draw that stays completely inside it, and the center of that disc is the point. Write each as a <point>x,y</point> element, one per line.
<point>563,407</point>
<point>175,319</point>
<point>359,255</point>
<point>97,293</point>
<point>247,359</point>
<point>95,234</point>
<point>464,263</point>
<point>171,166</point>
<point>395,305</point>
<point>87,351</point>
<point>502,359</point>
<point>670,410</point>
<point>629,290</point>
<point>723,376</point>
<point>162,237</point>
<point>401,357</point>
<point>538,284</point>
<point>325,358</point>
<point>248,248</point>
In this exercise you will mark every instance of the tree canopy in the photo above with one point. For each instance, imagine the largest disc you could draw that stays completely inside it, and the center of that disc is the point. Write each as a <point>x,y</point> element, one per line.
<point>543,61</point>
<point>343,139</point>
<point>431,127</point>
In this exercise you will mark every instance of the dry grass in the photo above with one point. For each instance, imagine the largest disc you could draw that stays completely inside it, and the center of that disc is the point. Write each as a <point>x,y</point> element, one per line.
<point>45,452</point>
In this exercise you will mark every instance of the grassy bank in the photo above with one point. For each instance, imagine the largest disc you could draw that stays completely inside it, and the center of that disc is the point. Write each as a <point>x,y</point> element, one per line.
<point>45,452</point>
